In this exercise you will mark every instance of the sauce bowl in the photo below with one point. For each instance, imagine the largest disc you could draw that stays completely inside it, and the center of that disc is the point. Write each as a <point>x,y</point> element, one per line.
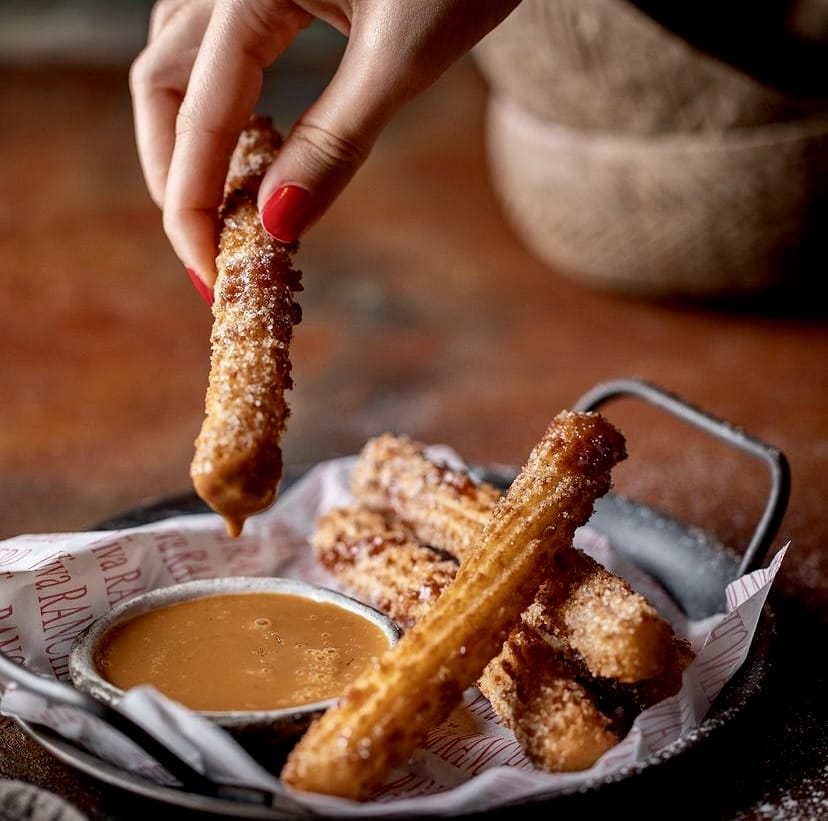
<point>93,661</point>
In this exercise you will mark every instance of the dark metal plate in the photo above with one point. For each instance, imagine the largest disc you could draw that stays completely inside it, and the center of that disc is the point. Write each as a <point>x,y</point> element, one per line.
<point>691,565</point>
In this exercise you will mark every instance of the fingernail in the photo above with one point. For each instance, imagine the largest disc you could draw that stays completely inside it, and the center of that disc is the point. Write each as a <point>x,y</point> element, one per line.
<point>201,286</point>
<point>286,213</point>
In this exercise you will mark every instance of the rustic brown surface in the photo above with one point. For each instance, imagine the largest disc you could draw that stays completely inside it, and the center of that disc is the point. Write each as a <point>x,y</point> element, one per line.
<point>422,315</point>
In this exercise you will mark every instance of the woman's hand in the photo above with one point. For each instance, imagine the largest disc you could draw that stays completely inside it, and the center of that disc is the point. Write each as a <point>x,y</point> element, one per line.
<point>199,78</point>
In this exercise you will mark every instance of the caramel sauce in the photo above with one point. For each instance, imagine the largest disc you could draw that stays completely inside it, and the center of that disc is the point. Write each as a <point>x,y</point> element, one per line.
<point>241,651</point>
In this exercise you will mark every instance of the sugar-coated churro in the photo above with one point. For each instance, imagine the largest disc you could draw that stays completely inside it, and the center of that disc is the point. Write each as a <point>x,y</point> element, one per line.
<point>237,464</point>
<point>540,687</point>
<point>387,712</point>
<point>536,693</point>
<point>531,684</point>
<point>616,630</point>
<point>381,562</point>
<point>619,633</point>
<point>447,507</point>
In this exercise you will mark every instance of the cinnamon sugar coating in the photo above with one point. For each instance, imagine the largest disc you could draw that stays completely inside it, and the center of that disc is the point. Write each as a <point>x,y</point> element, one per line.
<point>535,691</point>
<point>387,712</point>
<point>447,507</point>
<point>380,561</point>
<point>618,633</point>
<point>589,653</point>
<point>237,464</point>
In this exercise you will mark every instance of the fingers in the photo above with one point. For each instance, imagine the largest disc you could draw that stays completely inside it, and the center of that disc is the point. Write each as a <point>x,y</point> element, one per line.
<point>194,88</point>
<point>241,39</point>
<point>197,83</point>
<point>394,52</point>
<point>158,80</point>
<point>328,144</point>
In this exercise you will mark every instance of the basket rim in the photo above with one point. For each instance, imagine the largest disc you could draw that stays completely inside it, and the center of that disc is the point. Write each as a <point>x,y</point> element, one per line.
<point>775,134</point>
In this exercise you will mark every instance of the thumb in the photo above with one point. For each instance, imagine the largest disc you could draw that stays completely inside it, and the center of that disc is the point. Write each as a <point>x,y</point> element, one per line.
<point>328,144</point>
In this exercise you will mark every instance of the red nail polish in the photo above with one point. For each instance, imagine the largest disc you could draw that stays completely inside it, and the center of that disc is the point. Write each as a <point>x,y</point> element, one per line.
<point>286,213</point>
<point>204,291</point>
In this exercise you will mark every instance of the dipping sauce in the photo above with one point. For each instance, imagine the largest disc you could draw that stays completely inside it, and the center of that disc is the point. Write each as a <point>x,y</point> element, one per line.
<point>241,651</point>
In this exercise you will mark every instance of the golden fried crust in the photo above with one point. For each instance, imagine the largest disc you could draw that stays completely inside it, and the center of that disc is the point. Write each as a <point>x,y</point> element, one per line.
<point>616,630</point>
<point>535,692</point>
<point>237,464</point>
<point>539,685</point>
<point>387,712</point>
<point>381,562</point>
<point>447,506</point>
<point>531,684</point>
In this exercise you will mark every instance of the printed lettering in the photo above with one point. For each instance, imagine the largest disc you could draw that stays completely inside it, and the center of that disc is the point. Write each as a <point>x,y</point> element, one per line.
<point>730,642</point>
<point>186,564</point>
<point>52,572</point>
<point>61,614</point>
<point>66,636</point>
<point>42,584</point>
<point>110,556</point>
<point>474,751</point>
<point>170,541</point>
<point>411,785</point>
<point>60,666</point>
<point>11,644</point>
<point>46,602</point>
<point>62,621</point>
<point>482,708</point>
<point>243,559</point>
<point>119,587</point>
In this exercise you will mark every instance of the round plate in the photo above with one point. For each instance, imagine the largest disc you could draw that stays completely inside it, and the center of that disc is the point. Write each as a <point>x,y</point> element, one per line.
<point>662,546</point>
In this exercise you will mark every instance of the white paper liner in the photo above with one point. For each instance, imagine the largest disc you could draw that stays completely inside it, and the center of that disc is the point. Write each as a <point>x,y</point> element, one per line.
<point>52,586</point>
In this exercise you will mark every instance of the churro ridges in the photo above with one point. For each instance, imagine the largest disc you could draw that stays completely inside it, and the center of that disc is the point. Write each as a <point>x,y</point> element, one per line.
<point>381,562</point>
<point>387,712</point>
<point>447,506</point>
<point>552,683</point>
<point>538,685</point>
<point>538,682</point>
<point>616,630</point>
<point>237,464</point>
<point>535,692</point>
<point>619,633</point>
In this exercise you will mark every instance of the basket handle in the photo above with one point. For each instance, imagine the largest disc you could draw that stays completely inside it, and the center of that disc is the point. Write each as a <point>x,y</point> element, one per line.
<point>774,459</point>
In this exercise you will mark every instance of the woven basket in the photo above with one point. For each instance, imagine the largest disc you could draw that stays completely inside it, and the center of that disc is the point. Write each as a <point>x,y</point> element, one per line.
<point>691,214</point>
<point>605,65</point>
<point>632,159</point>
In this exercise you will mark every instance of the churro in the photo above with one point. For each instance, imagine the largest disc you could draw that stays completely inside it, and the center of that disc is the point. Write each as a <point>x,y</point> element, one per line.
<point>381,562</point>
<point>387,712</point>
<point>535,691</point>
<point>237,465</point>
<point>446,506</point>
<point>531,684</point>
<point>617,631</point>
<point>563,716</point>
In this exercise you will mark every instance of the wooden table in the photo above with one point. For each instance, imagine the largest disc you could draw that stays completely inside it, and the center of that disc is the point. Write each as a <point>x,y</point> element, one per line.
<point>423,314</point>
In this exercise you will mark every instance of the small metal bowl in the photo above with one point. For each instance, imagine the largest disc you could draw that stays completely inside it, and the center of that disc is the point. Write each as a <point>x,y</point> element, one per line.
<point>260,731</point>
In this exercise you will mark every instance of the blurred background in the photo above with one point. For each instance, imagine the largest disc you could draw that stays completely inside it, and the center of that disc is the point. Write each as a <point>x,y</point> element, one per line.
<point>80,32</point>
<point>645,197</point>
<point>104,351</point>
<point>499,253</point>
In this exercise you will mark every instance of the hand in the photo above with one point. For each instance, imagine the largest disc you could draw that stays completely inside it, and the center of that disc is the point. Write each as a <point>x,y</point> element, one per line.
<point>198,81</point>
